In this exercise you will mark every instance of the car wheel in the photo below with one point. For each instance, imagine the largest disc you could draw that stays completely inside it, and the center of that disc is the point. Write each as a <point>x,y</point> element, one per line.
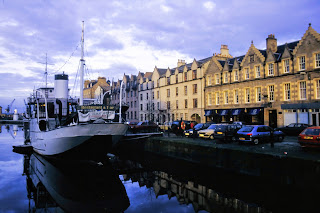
<point>211,137</point>
<point>280,138</point>
<point>256,141</point>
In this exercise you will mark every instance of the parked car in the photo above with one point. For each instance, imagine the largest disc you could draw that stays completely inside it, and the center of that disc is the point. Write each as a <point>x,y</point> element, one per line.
<point>310,137</point>
<point>258,133</point>
<point>200,126</point>
<point>294,128</point>
<point>209,132</point>
<point>132,123</point>
<point>179,126</point>
<point>166,126</point>
<point>227,132</point>
<point>144,126</point>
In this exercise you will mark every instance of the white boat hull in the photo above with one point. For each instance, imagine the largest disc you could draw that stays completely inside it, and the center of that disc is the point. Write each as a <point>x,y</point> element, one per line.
<point>84,140</point>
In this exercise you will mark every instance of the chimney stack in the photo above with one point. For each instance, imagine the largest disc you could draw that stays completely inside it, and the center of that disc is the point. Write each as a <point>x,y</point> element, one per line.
<point>272,43</point>
<point>224,51</point>
<point>181,62</point>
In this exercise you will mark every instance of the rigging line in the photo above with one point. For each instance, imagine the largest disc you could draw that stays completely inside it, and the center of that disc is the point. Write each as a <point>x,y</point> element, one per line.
<point>68,59</point>
<point>75,80</point>
<point>88,73</point>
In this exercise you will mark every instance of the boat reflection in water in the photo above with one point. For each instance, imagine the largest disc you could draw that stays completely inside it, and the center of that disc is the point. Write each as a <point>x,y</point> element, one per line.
<point>54,184</point>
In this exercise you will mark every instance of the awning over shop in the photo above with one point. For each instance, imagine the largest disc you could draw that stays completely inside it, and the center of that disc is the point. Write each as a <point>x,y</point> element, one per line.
<point>223,111</point>
<point>301,106</point>
<point>236,111</point>
<point>254,111</point>
<point>208,112</point>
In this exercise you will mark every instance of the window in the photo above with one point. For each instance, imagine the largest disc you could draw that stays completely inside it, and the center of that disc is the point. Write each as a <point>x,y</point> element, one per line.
<point>226,77</point>
<point>186,116</point>
<point>236,96</point>
<point>177,91</point>
<point>152,106</point>
<point>135,115</point>
<point>258,94</point>
<point>246,73</point>
<point>318,88</point>
<point>135,103</point>
<point>217,98</point>
<point>303,90</point>
<point>195,88</point>
<point>195,103</point>
<point>209,80</point>
<point>317,60</point>
<point>168,80</point>
<point>209,99</point>
<point>257,71</point>
<point>152,95</point>
<point>168,105</point>
<point>147,96</point>
<point>287,92</point>
<point>236,75</point>
<point>185,90</point>
<point>302,63</point>
<point>194,74</point>
<point>185,76</point>
<point>158,105</point>
<point>131,104</point>
<point>217,79</point>
<point>271,93</point>
<point>147,106</point>
<point>131,93</point>
<point>286,66</point>
<point>177,105</point>
<point>141,107</point>
<point>247,95</point>
<point>270,69</point>
<point>176,79</point>
<point>157,94</point>
<point>185,103</point>
<point>141,87</point>
<point>251,58</point>
<point>226,97</point>
<point>168,92</point>
<point>141,97</point>
<point>141,117</point>
<point>158,83</point>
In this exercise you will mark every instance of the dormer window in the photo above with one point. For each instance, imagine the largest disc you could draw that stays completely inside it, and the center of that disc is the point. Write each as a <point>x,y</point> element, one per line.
<point>226,77</point>
<point>185,76</point>
<point>194,74</point>
<point>257,71</point>
<point>176,79</point>
<point>217,79</point>
<point>236,75</point>
<point>270,69</point>
<point>246,73</point>
<point>168,80</point>
<point>286,66</point>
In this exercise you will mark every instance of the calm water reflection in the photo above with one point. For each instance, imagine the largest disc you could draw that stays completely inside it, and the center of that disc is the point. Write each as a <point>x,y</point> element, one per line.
<point>139,183</point>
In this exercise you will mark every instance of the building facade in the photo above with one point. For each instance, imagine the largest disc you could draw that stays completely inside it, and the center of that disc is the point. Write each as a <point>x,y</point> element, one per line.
<point>90,87</point>
<point>275,86</point>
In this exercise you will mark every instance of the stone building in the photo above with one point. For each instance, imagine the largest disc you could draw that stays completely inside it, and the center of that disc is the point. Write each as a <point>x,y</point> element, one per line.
<point>89,90</point>
<point>146,105</point>
<point>130,95</point>
<point>275,86</point>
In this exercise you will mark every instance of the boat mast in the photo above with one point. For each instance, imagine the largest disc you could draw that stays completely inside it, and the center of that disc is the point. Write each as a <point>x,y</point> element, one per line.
<point>82,65</point>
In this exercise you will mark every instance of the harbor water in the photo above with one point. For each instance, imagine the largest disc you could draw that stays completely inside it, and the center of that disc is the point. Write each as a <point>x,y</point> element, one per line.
<point>134,182</point>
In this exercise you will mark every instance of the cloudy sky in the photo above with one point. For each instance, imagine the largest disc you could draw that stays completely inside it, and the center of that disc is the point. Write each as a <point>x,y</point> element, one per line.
<point>129,36</point>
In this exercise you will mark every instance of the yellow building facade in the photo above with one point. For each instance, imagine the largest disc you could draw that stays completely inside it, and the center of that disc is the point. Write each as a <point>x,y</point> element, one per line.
<point>275,86</point>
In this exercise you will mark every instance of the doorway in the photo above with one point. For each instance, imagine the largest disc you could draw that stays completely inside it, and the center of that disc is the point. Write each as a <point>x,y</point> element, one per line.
<point>273,118</point>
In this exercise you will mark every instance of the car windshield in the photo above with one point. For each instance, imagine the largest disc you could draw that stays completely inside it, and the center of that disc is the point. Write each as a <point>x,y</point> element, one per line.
<point>198,126</point>
<point>139,123</point>
<point>221,127</point>
<point>246,129</point>
<point>212,126</point>
<point>311,132</point>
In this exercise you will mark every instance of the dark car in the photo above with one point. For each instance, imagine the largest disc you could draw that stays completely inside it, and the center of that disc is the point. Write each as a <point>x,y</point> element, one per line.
<point>197,127</point>
<point>227,132</point>
<point>258,133</point>
<point>144,126</point>
<point>178,126</point>
<point>294,128</point>
<point>310,137</point>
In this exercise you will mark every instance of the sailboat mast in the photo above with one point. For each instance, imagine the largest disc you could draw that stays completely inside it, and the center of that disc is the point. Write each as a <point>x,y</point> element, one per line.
<point>82,66</point>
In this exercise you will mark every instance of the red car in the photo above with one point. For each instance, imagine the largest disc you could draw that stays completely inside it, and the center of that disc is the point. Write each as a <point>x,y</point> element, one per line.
<point>310,137</point>
<point>145,126</point>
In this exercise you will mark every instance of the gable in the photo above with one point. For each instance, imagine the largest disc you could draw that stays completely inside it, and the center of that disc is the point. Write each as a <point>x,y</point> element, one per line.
<point>194,65</point>
<point>226,66</point>
<point>252,51</point>
<point>286,53</point>
<point>270,57</point>
<point>310,36</point>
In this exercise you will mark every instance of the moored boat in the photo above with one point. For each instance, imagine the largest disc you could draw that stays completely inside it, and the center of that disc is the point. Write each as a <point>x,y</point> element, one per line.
<point>60,125</point>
